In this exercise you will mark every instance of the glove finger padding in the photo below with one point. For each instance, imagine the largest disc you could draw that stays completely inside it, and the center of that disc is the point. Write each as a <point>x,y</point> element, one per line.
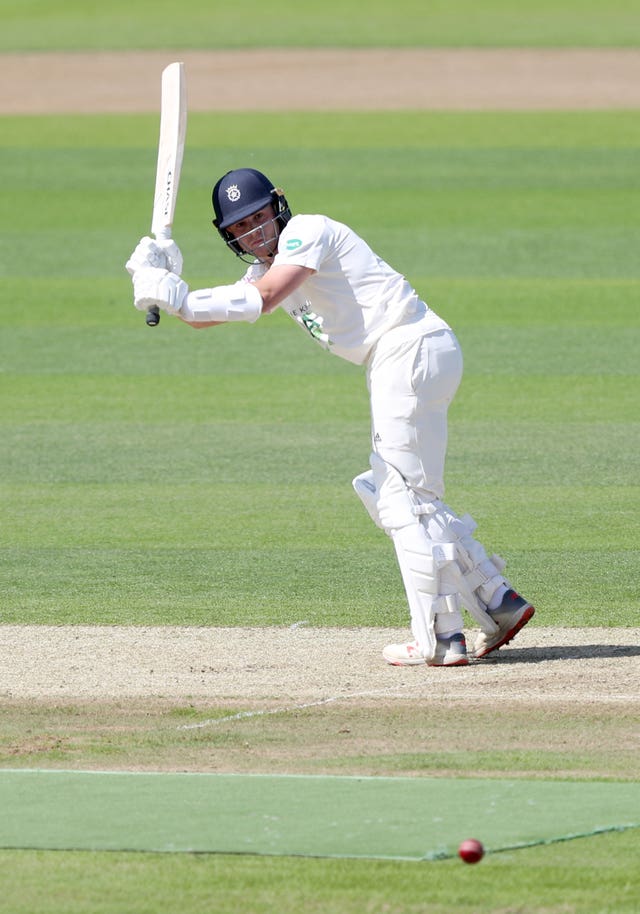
<point>173,255</point>
<point>155,286</point>
<point>163,253</point>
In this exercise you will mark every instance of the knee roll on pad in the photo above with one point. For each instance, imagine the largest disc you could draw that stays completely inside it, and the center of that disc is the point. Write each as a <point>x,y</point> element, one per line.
<point>396,505</point>
<point>366,491</point>
<point>385,495</point>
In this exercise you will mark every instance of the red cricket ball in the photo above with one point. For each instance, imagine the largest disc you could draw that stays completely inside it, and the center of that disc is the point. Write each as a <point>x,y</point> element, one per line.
<point>471,850</point>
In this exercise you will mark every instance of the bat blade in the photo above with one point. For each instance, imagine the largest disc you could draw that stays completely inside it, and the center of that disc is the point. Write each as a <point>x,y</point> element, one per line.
<point>173,132</point>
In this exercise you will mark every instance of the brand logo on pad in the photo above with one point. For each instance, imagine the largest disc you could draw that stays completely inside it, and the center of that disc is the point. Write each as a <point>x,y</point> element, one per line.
<point>233,193</point>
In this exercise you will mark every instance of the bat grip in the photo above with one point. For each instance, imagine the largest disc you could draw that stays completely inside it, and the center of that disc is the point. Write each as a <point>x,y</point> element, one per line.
<point>153,313</point>
<point>153,316</point>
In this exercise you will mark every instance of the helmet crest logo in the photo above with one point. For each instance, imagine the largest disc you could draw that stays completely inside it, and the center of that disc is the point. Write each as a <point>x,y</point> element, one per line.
<point>233,193</point>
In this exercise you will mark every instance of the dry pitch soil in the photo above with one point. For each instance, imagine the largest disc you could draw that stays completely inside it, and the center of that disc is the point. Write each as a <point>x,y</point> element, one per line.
<point>324,79</point>
<point>595,668</point>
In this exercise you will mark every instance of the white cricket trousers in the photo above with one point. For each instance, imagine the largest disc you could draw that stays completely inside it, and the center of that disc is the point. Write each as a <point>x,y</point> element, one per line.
<point>412,377</point>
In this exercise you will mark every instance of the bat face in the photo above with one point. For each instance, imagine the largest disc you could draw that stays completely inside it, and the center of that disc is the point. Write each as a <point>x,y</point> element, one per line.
<point>173,131</point>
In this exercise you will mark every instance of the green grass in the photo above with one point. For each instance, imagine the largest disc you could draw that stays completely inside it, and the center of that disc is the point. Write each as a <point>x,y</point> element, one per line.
<point>578,742</point>
<point>72,24</point>
<point>597,875</point>
<point>171,476</point>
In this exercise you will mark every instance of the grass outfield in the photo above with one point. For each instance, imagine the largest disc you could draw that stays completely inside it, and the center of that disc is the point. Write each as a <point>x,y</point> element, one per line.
<point>588,876</point>
<point>145,472</point>
<point>67,24</point>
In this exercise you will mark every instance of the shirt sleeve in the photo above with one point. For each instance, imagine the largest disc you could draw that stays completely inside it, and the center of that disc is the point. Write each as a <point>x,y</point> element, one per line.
<point>304,242</point>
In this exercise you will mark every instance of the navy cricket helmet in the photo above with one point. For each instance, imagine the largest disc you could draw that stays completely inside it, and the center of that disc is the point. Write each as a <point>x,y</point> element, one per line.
<point>242,192</point>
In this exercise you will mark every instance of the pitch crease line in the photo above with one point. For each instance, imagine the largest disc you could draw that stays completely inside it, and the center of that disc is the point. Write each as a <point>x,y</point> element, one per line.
<point>243,715</point>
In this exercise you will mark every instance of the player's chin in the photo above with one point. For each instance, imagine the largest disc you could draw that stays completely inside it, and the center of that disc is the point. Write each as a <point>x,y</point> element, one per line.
<point>264,252</point>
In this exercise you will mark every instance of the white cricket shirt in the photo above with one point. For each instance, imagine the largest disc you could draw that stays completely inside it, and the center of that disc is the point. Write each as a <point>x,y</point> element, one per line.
<point>353,297</point>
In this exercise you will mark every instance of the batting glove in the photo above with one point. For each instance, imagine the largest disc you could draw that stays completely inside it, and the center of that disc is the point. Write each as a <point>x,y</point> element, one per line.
<point>149,252</point>
<point>155,286</point>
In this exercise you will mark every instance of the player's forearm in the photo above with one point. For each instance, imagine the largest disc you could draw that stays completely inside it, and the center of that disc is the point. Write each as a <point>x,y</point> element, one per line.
<point>208,307</point>
<point>279,282</point>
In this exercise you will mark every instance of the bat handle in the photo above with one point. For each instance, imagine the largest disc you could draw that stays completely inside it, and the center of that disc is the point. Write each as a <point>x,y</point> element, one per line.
<point>153,313</point>
<point>153,316</point>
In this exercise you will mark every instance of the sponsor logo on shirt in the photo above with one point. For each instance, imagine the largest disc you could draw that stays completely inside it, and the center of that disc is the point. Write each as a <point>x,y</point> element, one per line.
<point>293,244</point>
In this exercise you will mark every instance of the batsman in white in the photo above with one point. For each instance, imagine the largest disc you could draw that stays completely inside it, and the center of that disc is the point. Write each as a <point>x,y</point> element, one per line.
<point>356,306</point>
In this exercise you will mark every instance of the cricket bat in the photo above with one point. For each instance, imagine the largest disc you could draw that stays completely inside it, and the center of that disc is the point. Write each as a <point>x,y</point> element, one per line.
<point>173,132</point>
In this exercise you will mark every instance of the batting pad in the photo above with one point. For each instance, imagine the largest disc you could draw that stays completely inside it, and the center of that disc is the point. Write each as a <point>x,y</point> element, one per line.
<point>370,817</point>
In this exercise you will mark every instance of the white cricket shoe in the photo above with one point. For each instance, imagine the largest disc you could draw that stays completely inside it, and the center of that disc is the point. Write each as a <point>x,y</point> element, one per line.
<point>513,614</point>
<point>403,654</point>
<point>450,651</point>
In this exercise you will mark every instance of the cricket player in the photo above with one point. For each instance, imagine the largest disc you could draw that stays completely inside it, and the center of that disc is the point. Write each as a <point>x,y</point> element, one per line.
<point>356,306</point>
